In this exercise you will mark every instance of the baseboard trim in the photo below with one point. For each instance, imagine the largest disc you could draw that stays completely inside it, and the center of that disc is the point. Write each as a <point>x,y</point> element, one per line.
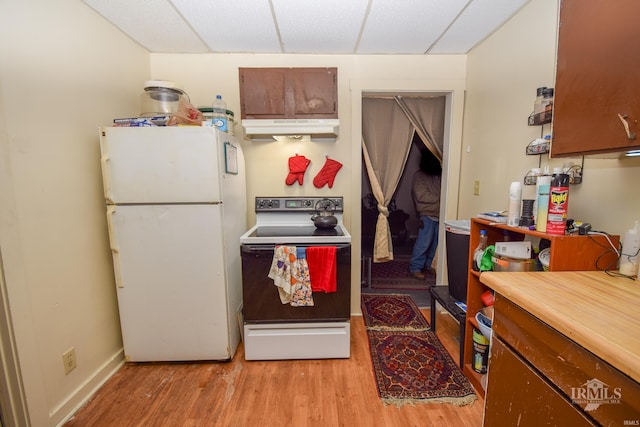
<point>81,395</point>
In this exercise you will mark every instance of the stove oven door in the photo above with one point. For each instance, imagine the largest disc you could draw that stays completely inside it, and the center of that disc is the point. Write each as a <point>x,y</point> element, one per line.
<point>261,302</point>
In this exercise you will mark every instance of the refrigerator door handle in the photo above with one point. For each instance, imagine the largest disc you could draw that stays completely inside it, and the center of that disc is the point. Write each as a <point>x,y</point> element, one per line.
<point>115,252</point>
<point>105,177</point>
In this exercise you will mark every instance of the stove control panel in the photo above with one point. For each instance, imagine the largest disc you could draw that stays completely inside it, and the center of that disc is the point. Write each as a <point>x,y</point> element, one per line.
<point>297,204</point>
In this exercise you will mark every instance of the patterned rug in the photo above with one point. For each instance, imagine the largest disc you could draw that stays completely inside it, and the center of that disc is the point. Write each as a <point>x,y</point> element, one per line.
<point>392,312</point>
<point>410,366</point>
<point>395,275</point>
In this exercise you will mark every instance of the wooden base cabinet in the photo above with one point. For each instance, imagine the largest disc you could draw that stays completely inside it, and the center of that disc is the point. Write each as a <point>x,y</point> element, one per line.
<point>538,376</point>
<point>517,395</point>
<point>568,253</point>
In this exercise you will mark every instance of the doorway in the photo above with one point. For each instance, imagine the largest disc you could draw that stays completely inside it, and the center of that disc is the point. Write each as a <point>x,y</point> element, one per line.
<point>453,90</point>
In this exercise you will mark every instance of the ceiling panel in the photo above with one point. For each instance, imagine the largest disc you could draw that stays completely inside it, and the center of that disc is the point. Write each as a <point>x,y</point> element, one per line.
<point>408,27</point>
<point>308,26</point>
<point>154,24</point>
<point>232,26</point>
<point>477,22</point>
<point>327,26</point>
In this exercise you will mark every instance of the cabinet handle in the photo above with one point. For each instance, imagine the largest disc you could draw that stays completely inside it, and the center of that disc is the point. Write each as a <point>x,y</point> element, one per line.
<point>623,119</point>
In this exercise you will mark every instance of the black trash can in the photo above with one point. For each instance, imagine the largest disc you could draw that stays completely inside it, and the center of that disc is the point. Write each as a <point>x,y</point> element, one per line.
<point>457,241</point>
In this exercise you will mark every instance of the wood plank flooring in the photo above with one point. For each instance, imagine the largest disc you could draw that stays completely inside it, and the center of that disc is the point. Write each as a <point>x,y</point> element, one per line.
<point>322,393</point>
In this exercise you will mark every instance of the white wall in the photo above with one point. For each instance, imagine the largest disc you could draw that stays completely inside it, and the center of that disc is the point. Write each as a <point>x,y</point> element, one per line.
<point>204,76</point>
<point>503,74</point>
<point>63,72</point>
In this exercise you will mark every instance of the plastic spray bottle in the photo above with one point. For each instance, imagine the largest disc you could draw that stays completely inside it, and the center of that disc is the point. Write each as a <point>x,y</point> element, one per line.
<point>479,251</point>
<point>630,248</point>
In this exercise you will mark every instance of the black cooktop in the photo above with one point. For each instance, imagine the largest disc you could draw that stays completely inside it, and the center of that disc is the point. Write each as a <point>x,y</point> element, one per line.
<point>294,231</point>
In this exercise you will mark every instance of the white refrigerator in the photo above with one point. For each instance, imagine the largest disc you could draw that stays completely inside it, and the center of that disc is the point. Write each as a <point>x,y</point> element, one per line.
<point>176,208</point>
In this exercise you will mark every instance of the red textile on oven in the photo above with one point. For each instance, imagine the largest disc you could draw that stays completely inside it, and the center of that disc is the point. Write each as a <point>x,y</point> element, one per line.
<point>322,263</point>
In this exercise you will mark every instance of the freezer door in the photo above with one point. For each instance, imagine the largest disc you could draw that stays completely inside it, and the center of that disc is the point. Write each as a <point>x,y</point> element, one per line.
<point>172,282</point>
<point>161,164</point>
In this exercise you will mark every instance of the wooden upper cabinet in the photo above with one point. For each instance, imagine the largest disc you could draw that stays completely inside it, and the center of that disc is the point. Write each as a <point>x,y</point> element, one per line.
<point>289,93</point>
<point>597,77</point>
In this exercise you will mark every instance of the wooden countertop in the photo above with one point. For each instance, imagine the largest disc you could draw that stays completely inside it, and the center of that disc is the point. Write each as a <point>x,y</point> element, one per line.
<point>595,310</point>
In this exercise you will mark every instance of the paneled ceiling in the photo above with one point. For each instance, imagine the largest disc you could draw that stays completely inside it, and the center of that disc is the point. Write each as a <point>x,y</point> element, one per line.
<point>354,27</point>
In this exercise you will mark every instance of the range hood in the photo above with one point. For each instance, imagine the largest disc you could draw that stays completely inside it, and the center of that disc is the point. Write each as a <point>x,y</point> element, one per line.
<point>266,129</point>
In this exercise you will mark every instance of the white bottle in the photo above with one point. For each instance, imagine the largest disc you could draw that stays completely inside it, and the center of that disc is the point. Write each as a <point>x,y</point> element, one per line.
<point>515,199</point>
<point>630,248</point>
<point>219,119</point>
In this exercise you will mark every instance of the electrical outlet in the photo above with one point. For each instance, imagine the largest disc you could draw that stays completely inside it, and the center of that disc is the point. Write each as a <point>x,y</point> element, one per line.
<point>69,360</point>
<point>476,188</point>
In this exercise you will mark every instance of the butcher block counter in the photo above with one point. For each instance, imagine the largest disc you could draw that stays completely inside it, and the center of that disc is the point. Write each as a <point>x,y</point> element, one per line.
<point>565,348</point>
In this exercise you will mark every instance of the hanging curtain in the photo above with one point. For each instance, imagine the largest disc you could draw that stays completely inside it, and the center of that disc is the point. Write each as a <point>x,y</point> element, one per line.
<point>427,117</point>
<point>388,126</point>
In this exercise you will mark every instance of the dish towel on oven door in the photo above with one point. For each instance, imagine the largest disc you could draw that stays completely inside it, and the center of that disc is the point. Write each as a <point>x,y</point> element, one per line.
<point>290,273</point>
<point>322,268</point>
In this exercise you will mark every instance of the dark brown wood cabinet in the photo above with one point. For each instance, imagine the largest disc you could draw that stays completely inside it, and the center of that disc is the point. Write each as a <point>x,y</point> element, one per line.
<point>288,93</point>
<point>538,376</point>
<point>597,78</point>
<point>517,397</point>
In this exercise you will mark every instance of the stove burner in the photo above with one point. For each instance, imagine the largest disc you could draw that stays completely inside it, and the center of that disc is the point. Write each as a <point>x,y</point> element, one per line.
<point>326,232</point>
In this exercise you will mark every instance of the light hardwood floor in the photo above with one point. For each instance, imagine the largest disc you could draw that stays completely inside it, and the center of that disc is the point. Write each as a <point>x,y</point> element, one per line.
<point>322,393</point>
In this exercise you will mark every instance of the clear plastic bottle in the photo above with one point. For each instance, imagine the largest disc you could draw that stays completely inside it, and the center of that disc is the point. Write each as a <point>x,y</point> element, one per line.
<point>219,119</point>
<point>547,103</point>
<point>479,251</point>
<point>537,105</point>
<point>630,248</point>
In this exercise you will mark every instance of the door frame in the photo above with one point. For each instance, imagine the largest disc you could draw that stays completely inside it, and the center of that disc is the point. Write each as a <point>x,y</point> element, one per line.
<point>453,90</point>
<point>13,405</point>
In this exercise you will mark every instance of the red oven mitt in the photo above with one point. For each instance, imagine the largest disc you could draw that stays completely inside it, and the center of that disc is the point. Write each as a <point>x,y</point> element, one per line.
<point>297,167</point>
<point>327,174</point>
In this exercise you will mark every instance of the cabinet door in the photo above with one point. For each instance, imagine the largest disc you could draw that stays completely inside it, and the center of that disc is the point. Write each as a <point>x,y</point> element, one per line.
<point>518,396</point>
<point>596,77</point>
<point>288,93</point>
<point>262,92</point>
<point>314,92</point>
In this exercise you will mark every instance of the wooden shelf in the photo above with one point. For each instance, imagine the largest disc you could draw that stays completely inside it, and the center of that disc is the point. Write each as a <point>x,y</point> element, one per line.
<point>568,253</point>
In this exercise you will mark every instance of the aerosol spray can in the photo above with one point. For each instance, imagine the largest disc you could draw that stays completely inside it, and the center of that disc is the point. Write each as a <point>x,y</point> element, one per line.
<point>558,203</point>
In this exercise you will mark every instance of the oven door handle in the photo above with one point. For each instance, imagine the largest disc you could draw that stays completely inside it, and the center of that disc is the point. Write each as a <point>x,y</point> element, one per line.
<point>252,249</point>
<point>262,248</point>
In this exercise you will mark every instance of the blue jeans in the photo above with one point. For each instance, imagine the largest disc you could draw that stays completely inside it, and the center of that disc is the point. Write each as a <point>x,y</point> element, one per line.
<point>424,250</point>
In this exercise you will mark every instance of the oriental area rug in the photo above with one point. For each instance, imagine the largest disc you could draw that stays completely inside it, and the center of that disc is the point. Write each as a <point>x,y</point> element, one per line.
<point>395,275</point>
<point>410,364</point>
